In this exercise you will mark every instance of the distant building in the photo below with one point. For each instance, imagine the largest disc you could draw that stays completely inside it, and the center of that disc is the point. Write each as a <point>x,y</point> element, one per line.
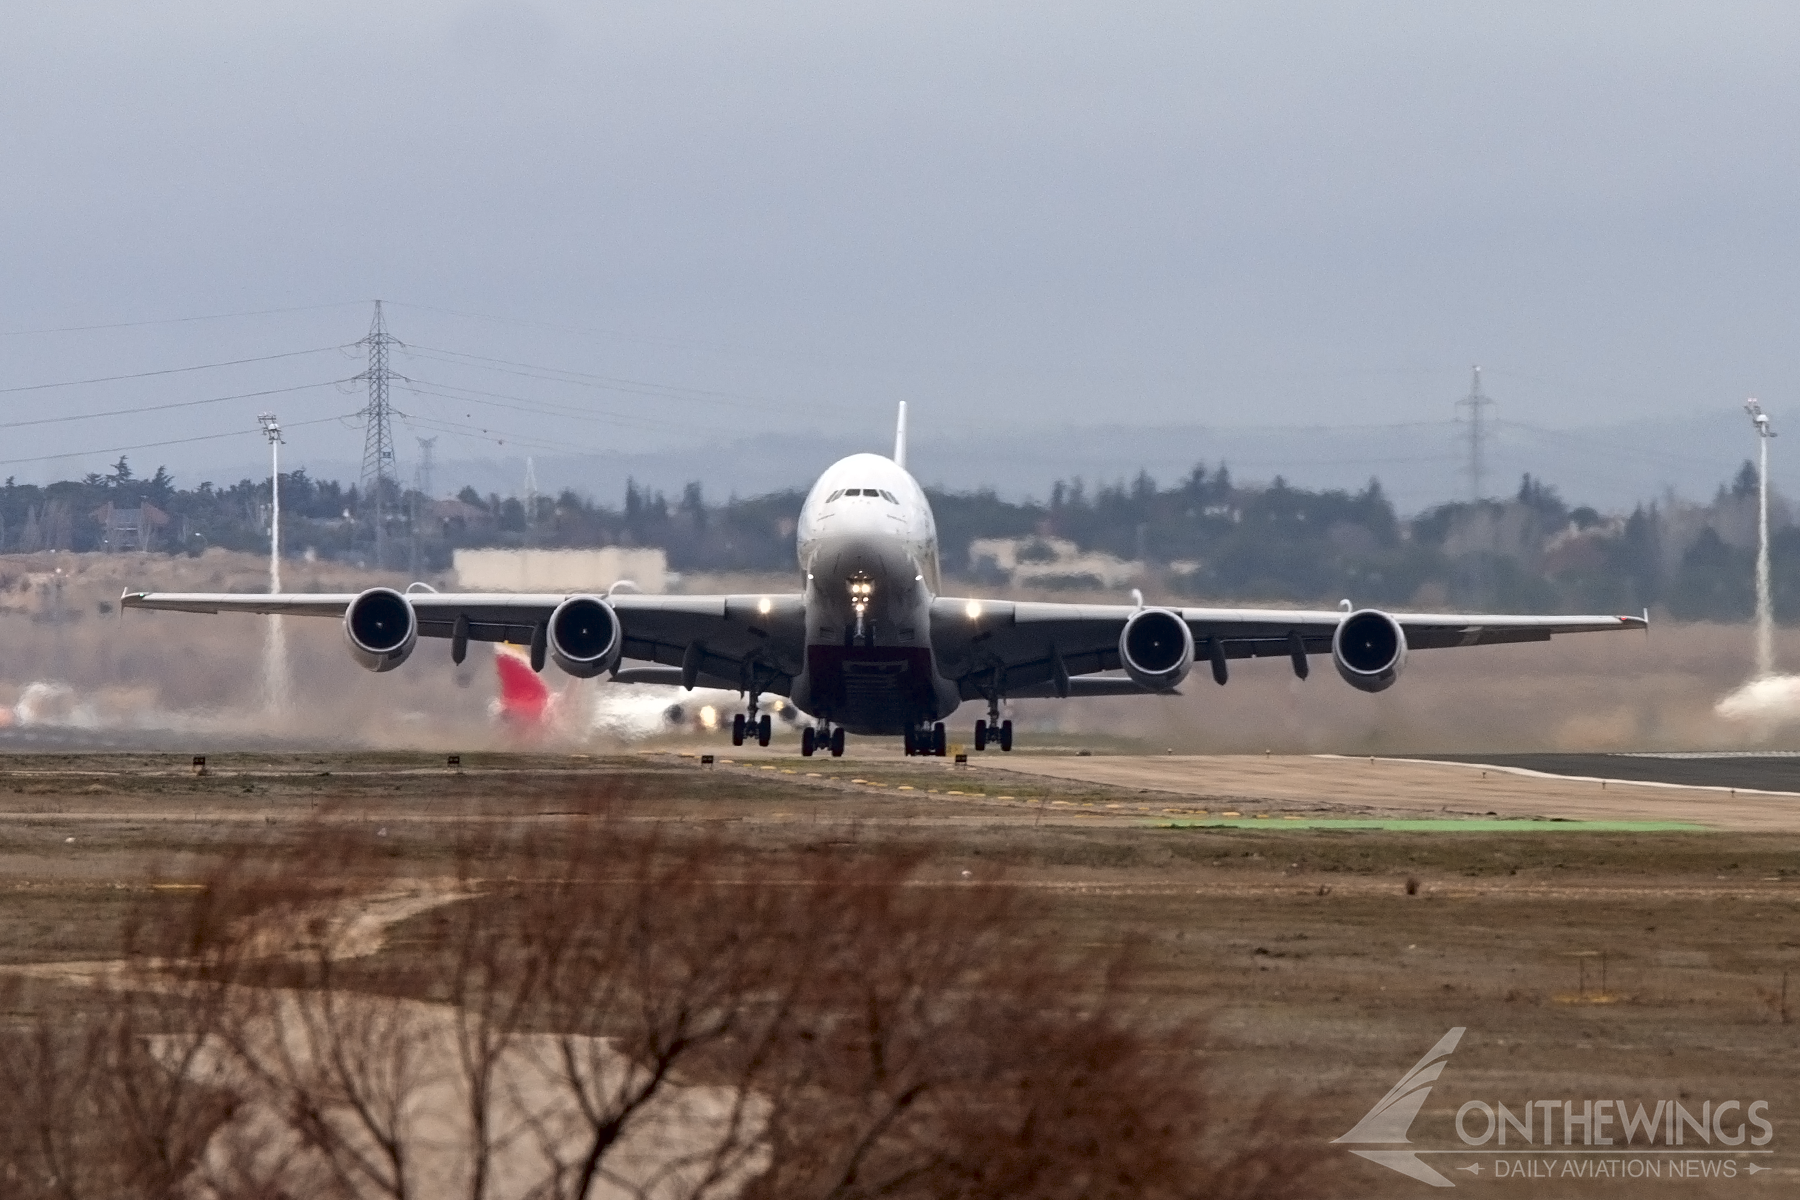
<point>132,528</point>
<point>1049,562</point>
<point>458,515</point>
<point>560,570</point>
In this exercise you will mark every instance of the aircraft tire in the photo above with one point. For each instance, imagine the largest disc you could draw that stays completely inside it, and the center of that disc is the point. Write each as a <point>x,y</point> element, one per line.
<point>837,742</point>
<point>762,730</point>
<point>940,744</point>
<point>808,742</point>
<point>911,744</point>
<point>981,735</point>
<point>1005,736</point>
<point>737,729</point>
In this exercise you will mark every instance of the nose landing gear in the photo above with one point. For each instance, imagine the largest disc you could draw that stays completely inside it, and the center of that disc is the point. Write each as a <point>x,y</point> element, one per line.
<point>927,740</point>
<point>743,726</point>
<point>813,740</point>
<point>993,729</point>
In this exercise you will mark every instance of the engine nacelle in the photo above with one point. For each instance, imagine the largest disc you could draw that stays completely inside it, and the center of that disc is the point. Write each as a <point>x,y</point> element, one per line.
<point>382,629</point>
<point>1156,648</point>
<point>584,636</point>
<point>1369,649</point>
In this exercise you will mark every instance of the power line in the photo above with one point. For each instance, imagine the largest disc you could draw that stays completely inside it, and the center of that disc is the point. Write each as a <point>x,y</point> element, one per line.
<point>678,343</point>
<point>262,312</point>
<point>204,437</point>
<point>585,379</point>
<point>423,387</point>
<point>497,437</point>
<point>236,362</point>
<point>147,408</point>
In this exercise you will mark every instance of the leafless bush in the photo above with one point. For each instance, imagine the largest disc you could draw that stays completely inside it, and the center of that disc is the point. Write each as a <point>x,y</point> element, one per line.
<point>595,1010</point>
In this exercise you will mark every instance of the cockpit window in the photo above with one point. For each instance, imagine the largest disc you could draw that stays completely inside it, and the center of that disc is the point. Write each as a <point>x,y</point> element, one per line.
<point>889,497</point>
<point>834,495</point>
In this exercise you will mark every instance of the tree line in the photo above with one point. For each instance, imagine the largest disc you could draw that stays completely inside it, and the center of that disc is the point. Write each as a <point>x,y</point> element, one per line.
<point>1204,537</point>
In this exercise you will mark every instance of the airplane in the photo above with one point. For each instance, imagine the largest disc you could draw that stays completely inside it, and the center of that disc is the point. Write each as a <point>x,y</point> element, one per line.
<point>868,646</point>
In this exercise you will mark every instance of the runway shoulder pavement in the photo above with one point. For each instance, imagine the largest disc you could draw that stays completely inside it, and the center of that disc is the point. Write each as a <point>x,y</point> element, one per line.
<point>1328,786</point>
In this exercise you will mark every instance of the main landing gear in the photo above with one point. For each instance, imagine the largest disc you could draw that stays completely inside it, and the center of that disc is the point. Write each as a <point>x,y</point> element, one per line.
<point>928,741</point>
<point>750,726</point>
<point>812,740</point>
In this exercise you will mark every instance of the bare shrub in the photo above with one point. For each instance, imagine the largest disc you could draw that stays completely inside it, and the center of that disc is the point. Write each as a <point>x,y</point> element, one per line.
<point>597,1009</point>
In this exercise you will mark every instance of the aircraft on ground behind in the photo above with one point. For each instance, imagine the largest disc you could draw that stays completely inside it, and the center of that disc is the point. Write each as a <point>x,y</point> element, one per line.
<point>867,646</point>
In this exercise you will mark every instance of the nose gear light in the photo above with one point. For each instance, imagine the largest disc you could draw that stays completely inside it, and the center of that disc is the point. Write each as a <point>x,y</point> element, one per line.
<point>862,590</point>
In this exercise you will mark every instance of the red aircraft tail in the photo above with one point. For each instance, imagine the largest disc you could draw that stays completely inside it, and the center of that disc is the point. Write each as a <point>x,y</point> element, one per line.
<point>524,696</point>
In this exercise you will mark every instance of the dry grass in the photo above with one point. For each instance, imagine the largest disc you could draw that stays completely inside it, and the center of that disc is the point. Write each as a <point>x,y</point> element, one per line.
<point>601,1009</point>
<point>1311,972</point>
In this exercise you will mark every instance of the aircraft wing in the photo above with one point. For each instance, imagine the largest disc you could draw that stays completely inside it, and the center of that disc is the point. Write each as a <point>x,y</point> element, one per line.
<point>1040,648</point>
<point>727,640</point>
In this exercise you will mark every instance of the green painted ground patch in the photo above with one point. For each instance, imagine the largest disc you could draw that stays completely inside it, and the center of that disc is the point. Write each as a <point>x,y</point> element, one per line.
<point>1437,825</point>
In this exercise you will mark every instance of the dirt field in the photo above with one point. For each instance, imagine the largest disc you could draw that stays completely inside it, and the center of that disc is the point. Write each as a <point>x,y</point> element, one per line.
<point>1633,966</point>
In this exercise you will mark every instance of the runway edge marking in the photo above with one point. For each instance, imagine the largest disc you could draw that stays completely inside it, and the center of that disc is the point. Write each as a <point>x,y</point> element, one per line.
<point>1529,773</point>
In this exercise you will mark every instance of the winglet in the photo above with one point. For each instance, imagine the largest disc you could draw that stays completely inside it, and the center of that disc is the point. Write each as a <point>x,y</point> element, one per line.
<point>900,439</point>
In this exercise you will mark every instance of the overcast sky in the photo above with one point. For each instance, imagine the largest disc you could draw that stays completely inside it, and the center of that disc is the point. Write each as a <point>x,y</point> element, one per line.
<point>791,216</point>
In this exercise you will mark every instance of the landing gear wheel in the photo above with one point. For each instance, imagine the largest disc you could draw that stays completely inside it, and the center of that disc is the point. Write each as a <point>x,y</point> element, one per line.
<point>912,747</point>
<point>737,729</point>
<point>808,742</point>
<point>837,742</point>
<point>981,735</point>
<point>939,743</point>
<point>762,730</point>
<point>1005,735</point>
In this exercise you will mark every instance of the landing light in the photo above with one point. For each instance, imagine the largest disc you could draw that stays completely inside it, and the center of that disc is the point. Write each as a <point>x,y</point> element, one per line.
<point>764,605</point>
<point>973,609</point>
<point>709,717</point>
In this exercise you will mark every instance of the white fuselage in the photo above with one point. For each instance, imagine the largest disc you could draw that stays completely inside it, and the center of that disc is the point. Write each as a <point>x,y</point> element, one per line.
<point>868,550</point>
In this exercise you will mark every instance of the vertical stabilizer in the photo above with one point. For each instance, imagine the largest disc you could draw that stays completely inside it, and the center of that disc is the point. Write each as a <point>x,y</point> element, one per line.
<point>900,438</point>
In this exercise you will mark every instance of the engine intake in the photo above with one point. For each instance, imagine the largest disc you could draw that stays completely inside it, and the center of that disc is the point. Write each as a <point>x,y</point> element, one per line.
<point>1369,649</point>
<point>382,629</point>
<point>585,638</point>
<point>1156,649</point>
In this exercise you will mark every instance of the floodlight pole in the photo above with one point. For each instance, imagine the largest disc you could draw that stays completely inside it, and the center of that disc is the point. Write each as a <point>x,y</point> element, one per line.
<point>1765,617</point>
<point>272,430</point>
<point>275,676</point>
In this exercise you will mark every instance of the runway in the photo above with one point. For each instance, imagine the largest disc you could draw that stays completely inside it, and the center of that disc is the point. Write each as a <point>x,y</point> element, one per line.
<point>1765,771</point>
<point>1612,788</point>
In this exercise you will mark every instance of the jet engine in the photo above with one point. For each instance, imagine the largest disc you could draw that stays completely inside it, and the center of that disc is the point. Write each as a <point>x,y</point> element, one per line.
<point>1369,649</point>
<point>584,636</point>
<point>382,629</point>
<point>1156,648</point>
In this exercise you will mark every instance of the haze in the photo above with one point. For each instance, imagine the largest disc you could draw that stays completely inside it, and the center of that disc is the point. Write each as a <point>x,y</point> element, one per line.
<point>790,216</point>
